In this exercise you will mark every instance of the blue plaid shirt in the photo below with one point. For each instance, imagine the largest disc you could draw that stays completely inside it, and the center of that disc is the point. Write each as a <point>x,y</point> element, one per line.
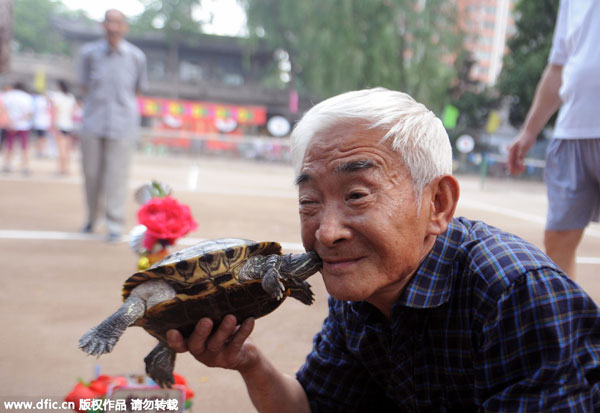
<point>487,323</point>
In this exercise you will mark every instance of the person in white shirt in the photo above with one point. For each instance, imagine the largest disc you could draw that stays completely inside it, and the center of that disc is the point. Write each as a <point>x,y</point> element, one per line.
<point>63,105</point>
<point>19,109</point>
<point>571,82</point>
<point>42,120</point>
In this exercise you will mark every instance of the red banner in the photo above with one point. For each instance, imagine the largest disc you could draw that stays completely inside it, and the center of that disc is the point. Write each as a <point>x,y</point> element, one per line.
<point>158,107</point>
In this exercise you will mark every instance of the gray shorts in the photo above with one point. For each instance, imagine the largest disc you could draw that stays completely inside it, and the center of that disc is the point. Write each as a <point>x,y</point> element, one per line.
<point>573,179</point>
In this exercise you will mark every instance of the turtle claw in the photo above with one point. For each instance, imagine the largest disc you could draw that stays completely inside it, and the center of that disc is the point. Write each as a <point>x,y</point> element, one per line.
<point>280,291</point>
<point>272,284</point>
<point>164,381</point>
<point>95,343</point>
<point>160,364</point>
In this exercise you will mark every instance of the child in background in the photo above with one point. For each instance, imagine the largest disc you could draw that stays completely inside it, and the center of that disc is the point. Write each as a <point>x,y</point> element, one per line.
<point>64,107</point>
<point>19,109</point>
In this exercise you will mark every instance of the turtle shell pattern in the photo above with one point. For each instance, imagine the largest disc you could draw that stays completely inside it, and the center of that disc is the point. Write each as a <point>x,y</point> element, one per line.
<point>204,277</point>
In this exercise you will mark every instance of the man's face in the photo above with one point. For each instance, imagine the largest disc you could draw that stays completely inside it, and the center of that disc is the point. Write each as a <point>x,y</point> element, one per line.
<point>115,27</point>
<point>358,210</point>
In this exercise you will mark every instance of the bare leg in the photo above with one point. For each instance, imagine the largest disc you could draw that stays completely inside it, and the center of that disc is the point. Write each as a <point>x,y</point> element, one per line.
<point>62,144</point>
<point>6,163</point>
<point>25,152</point>
<point>561,246</point>
<point>7,153</point>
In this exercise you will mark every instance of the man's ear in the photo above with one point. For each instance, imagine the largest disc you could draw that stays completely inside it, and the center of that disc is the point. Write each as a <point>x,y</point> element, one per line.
<point>444,198</point>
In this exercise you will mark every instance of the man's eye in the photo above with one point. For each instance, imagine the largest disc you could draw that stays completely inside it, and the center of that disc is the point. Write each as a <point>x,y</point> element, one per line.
<point>356,195</point>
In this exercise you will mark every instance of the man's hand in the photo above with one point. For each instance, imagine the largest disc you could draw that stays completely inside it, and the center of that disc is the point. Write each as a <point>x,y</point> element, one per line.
<point>545,102</point>
<point>227,347</point>
<point>517,151</point>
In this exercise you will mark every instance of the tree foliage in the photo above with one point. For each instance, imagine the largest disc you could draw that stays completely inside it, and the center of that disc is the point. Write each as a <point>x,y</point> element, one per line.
<point>33,25</point>
<point>341,45</point>
<point>529,49</point>
<point>32,28</point>
<point>171,16</point>
<point>473,100</point>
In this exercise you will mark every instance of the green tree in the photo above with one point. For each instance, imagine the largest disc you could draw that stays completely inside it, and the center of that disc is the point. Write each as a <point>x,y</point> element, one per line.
<point>32,28</point>
<point>173,18</point>
<point>6,19</point>
<point>33,25</point>
<point>170,16</point>
<point>473,100</point>
<point>336,46</point>
<point>529,49</point>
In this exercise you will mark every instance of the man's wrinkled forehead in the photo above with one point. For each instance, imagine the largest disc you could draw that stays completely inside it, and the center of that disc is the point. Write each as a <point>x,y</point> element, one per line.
<point>340,132</point>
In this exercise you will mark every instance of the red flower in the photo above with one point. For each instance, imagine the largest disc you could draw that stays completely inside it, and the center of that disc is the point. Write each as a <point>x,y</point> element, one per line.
<point>103,382</point>
<point>166,220</point>
<point>189,393</point>
<point>95,390</point>
<point>79,392</point>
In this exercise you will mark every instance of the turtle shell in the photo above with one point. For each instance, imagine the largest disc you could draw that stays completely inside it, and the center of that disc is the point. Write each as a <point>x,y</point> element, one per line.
<point>204,277</point>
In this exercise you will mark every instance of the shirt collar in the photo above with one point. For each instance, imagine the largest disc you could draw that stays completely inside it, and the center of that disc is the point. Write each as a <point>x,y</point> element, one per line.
<point>119,49</point>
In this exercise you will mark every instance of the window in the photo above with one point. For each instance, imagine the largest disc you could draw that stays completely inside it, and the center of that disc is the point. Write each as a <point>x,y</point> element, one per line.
<point>156,69</point>
<point>233,79</point>
<point>190,72</point>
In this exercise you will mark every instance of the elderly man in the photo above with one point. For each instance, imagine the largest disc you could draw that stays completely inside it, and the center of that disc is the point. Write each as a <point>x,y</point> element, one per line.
<point>427,312</point>
<point>112,72</point>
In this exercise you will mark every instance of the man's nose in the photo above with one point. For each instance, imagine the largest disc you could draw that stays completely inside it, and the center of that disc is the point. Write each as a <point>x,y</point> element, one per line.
<point>332,228</point>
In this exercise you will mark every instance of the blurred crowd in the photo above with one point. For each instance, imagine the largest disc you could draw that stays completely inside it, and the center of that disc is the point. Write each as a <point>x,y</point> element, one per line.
<point>40,123</point>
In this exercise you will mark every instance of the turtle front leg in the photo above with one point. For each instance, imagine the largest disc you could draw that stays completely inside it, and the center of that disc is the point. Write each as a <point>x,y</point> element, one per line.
<point>272,284</point>
<point>160,363</point>
<point>102,338</point>
<point>266,269</point>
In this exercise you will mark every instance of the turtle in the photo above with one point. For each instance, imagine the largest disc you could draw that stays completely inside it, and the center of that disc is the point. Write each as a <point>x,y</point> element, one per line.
<point>210,279</point>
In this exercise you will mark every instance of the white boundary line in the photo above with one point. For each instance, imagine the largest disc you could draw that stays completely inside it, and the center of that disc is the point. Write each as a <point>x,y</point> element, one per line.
<point>512,213</point>
<point>74,236</point>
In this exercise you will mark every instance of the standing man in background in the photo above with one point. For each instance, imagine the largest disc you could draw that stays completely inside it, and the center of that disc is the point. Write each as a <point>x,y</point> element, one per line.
<point>573,158</point>
<point>112,71</point>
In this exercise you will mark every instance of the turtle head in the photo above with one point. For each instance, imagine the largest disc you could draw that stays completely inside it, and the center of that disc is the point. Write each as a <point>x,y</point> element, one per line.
<point>300,266</point>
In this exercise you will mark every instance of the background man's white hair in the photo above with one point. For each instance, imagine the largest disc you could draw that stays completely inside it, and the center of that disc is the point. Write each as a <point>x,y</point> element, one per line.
<point>415,132</point>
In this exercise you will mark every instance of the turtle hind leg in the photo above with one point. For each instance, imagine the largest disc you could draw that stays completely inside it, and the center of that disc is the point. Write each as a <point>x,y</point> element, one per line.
<point>160,363</point>
<point>102,338</point>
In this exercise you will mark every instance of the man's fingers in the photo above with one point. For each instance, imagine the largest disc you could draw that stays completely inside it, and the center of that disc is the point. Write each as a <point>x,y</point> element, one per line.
<point>515,158</point>
<point>197,341</point>
<point>176,342</point>
<point>241,335</point>
<point>222,335</point>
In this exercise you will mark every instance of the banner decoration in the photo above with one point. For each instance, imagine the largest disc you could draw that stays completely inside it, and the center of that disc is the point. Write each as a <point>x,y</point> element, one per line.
<point>493,122</point>
<point>155,107</point>
<point>450,116</point>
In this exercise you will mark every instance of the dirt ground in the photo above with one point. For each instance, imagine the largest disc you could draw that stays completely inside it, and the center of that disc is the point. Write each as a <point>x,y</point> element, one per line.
<point>56,283</point>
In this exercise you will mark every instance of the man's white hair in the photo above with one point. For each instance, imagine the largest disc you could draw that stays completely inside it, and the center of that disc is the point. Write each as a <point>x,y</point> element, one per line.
<point>415,132</point>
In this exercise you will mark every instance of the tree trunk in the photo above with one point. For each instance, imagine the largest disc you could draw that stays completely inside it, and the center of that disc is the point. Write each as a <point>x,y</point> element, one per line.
<point>6,24</point>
